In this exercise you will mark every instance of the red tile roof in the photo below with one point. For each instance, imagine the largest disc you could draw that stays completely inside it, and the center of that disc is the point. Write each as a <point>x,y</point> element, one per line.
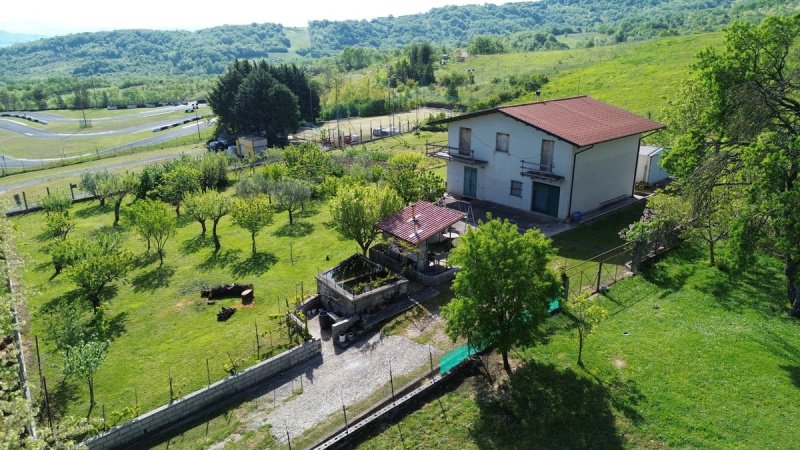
<point>581,121</point>
<point>431,219</point>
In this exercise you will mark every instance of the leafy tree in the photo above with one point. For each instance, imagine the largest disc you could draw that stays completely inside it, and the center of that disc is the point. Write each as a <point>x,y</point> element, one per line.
<point>218,206</point>
<point>356,210</point>
<point>252,186</point>
<point>196,208</point>
<point>503,288</point>
<point>485,45</point>
<point>105,264</point>
<point>83,360</point>
<point>58,225</point>
<point>56,204</point>
<point>65,327</point>
<point>405,175</point>
<point>253,215</point>
<point>587,312</point>
<point>307,162</point>
<point>149,179</point>
<point>213,171</point>
<point>91,182</point>
<point>179,182</point>
<point>117,187</point>
<point>67,252</point>
<point>154,222</point>
<point>735,122</point>
<point>290,195</point>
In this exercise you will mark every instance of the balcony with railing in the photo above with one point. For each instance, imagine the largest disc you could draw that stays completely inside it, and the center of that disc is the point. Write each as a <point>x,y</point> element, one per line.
<point>453,154</point>
<point>539,171</point>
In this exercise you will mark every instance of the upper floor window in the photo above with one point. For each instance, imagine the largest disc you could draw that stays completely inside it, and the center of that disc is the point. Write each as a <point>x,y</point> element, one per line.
<point>501,142</point>
<point>465,141</point>
<point>546,158</point>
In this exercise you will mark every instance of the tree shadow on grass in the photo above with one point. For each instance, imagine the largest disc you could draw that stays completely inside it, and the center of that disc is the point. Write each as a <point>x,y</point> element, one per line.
<point>153,279</point>
<point>220,259</point>
<point>195,244</point>
<point>673,275</point>
<point>91,211</point>
<point>756,288</point>
<point>145,259</point>
<point>549,408</point>
<point>308,211</point>
<point>61,393</point>
<point>295,230</point>
<point>254,265</point>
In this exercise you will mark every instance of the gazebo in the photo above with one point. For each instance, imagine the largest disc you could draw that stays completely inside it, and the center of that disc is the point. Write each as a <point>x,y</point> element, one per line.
<point>420,235</point>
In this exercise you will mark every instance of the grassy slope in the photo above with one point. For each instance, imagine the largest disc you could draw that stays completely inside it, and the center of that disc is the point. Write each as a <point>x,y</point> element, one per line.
<point>714,366</point>
<point>165,326</point>
<point>636,76</point>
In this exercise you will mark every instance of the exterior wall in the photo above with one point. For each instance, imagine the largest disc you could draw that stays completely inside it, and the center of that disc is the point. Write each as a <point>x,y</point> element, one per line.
<point>494,179</point>
<point>604,172</point>
<point>656,173</point>
<point>202,400</point>
<point>353,306</point>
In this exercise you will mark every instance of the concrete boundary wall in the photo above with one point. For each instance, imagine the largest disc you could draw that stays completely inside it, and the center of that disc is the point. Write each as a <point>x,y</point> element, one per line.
<point>198,401</point>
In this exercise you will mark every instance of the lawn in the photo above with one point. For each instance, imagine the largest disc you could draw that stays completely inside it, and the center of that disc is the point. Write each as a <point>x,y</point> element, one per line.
<point>690,357</point>
<point>162,328</point>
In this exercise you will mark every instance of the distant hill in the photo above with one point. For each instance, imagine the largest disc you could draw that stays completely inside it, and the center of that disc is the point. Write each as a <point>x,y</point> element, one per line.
<point>143,52</point>
<point>622,20</point>
<point>7,38</point>
<point>210,51</point>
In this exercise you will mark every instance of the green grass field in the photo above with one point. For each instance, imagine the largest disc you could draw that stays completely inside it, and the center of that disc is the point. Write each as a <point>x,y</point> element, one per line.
<point>637,76</point>
<point>163,327</point>
<point>690,357</point>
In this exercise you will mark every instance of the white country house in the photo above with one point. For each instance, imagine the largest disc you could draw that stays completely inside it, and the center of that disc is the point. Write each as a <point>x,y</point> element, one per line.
<point>555,157</point>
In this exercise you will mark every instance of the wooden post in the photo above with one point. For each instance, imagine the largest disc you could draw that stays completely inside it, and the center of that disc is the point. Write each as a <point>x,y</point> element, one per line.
<point>258,343</point>
<point>208,373</point>
<point>25,199</point>
<point>47,402</point>
<point>171,392</point>
<point>599,273</point>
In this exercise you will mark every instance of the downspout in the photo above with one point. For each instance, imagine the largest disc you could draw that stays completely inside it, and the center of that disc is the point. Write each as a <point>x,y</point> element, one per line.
<point>572,178</point>
<point>636,165</point>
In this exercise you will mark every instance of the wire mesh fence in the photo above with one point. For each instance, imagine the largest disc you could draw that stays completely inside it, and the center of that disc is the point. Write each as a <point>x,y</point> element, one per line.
<point>270,337</point>
<point>601,270</point>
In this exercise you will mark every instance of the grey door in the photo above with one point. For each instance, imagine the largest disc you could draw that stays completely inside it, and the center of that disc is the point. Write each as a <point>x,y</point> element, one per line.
<point>470,182</point>
<point>545,199</point>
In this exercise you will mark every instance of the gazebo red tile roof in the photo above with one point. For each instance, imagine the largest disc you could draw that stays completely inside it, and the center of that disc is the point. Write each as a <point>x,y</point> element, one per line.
<point>430,219</point>
<point>581,121</point>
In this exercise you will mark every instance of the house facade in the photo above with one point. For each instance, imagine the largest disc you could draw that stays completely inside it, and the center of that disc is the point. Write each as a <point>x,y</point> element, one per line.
<point>552,157</point>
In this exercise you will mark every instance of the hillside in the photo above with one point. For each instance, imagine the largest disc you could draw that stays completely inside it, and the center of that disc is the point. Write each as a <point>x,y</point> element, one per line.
<point>210,51</point>
<point>143,52</point>
<point>620,20</point>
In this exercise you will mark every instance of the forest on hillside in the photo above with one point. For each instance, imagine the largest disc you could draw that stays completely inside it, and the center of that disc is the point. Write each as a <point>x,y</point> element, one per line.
<point>619,20</point>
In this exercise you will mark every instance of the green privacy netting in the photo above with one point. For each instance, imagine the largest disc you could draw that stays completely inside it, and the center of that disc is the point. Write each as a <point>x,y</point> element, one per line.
<point>451,359</point>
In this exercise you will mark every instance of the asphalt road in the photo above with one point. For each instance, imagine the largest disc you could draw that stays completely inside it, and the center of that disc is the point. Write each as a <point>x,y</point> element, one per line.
<point>50,117</point>
<point>155,139</point>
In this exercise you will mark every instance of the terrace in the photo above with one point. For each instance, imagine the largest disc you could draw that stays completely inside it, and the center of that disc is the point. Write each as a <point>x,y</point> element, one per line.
<point>453,154</point>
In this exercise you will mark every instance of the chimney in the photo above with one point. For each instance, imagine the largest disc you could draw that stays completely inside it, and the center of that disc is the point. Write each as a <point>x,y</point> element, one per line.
<point>414,213</point>
<point>538,95</point>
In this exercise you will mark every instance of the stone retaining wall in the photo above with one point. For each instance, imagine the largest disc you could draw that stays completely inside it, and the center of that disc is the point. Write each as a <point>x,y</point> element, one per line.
<point>198,401</point>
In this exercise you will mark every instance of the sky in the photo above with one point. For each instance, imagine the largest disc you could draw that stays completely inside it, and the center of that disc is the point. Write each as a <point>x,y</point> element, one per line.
<point>53,17</point>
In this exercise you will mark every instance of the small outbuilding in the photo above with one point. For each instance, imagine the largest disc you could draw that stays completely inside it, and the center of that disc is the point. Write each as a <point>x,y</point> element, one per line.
<point>419,237</point>
<point>648,168</point>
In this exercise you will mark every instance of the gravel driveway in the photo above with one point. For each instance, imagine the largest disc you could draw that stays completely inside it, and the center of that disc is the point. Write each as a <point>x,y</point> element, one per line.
<point>349,376</point>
